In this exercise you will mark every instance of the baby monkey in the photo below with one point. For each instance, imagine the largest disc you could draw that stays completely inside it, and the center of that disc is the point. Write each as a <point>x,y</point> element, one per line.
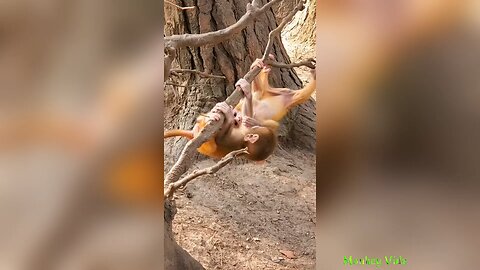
<point>239,130</point>
<point>271,103</point>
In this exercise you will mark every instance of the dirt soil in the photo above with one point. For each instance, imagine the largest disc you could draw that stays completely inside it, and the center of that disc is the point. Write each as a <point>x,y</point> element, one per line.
<point>243,216</point>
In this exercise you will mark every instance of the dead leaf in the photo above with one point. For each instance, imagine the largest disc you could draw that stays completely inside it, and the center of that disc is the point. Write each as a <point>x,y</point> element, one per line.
<point>288,253</point>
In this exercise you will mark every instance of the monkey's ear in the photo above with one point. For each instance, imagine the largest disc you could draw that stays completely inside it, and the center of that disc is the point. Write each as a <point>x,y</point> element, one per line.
<point>251,138</point>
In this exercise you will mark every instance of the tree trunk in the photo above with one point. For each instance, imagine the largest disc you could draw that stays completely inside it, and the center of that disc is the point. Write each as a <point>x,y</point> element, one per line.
<point>299,35</point>
<point>176,258</point>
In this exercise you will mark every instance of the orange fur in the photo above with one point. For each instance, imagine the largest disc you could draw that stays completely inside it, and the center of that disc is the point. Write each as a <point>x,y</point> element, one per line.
<point>270,103</point>
<point>208,148</point>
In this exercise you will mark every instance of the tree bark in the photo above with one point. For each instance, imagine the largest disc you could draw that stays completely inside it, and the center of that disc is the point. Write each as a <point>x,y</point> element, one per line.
<point>176,258</point>
<point>300,33</point>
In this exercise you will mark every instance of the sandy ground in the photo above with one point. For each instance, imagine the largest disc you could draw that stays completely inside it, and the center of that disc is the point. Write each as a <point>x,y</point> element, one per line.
<point>243,216</point>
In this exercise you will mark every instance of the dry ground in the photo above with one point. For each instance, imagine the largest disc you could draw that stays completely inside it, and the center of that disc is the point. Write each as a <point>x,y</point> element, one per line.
<point>241,217</point>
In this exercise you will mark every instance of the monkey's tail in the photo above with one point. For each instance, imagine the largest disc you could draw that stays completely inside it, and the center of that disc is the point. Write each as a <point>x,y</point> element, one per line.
<point>178,132</point>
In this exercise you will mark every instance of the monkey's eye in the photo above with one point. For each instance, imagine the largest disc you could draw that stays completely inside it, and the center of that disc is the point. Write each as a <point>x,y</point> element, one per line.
<point>235,114</point>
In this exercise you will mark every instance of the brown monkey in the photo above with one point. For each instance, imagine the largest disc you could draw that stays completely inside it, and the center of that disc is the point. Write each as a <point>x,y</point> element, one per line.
<point>237,131</point>
<point>261,135</point>
<point>270,103</point>
<point>234,134</point>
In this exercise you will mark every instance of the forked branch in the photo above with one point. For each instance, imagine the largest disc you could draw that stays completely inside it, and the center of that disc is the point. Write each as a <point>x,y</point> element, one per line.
<point>277,31</point>
<point>210,170</point>
<point>211,38</point>
<point>310,62</point>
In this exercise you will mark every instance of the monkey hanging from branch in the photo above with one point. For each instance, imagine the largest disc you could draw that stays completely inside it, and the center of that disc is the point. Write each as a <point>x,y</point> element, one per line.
<point>239,130</point>
<point>254,121</point>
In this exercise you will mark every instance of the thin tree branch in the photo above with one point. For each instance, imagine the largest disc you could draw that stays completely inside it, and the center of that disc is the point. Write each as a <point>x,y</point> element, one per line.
<point>179,7</point>
<point>202,74</point>
<point>189,85</point>
<point>185,159</point>
<point>210,170</point>
<point>212,38</point>
<point>277,31</point>
<point>310,62</point>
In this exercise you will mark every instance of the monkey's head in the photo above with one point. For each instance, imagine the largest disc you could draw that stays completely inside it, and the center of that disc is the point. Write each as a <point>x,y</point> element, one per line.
<point>260,143</point>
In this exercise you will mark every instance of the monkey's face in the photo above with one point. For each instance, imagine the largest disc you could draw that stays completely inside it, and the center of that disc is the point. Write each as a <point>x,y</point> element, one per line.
<point>237,119</point>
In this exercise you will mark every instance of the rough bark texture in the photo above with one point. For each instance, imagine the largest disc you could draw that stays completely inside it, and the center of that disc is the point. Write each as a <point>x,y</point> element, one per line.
<point>281,10</point>
<point>231,59</point>
<point>300,35</point>
<point>299,38</point>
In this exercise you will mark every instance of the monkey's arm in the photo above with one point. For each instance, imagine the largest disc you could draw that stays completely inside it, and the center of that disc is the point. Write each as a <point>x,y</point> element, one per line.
<point>250,122</point>
<point>247,107</point>
<point>260,82</point>
<point>224,108</point>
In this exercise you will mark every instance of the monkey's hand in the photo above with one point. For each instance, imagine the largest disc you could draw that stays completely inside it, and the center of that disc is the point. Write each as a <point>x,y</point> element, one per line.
<point>245,85</point>
<point>224,108</point>
<point>214,116</point>
<point>250,122</point>
<point>259,63</point>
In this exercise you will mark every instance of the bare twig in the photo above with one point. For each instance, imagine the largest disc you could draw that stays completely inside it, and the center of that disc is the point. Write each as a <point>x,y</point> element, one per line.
<point>185,159</point>
<point>188,85</point>
<point>174,42</point>
<point>310,62</point>
<point>276,32</point>
<point>177,6</point>
<point>210,170</point>
<point>202,74</point>
<point>212,38</point>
